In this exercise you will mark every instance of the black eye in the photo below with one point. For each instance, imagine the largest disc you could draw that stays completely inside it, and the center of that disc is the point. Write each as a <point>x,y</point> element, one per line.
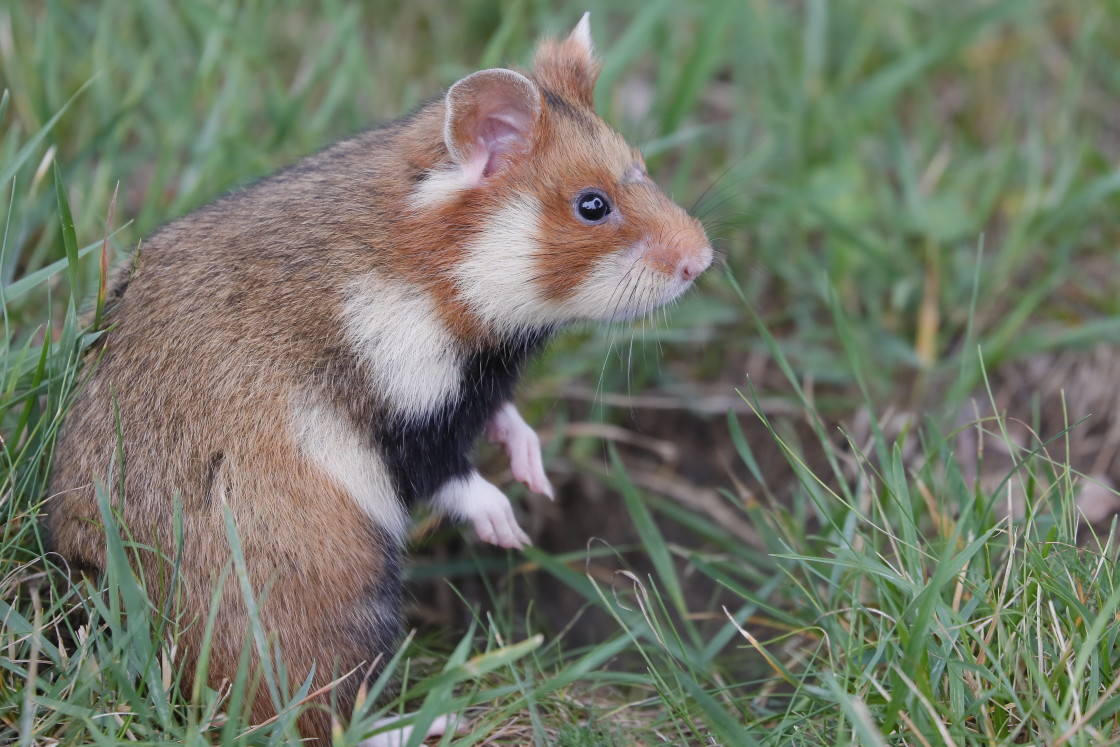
<point>593,206</point>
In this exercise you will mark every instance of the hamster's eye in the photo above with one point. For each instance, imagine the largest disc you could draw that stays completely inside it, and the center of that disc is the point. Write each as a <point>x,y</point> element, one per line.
<point>593,206</point>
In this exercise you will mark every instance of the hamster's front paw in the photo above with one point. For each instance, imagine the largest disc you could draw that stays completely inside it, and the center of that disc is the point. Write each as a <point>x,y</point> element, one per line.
<point>492,516</point>
<point>522,446</point>
<point>487,508</point>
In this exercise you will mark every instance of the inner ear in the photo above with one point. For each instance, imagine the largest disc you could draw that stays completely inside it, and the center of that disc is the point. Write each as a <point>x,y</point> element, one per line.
<point>491,118</point>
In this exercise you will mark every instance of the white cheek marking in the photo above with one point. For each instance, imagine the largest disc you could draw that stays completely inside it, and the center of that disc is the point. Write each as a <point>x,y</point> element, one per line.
<point>609,288</point>
<point>622,286</point>
<point>497,276</point>
<point>329,441</point>
<point>410,356</point>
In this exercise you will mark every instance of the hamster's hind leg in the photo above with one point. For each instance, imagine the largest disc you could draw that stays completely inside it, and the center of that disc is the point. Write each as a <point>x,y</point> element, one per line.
<point>327,583</point>
<point>338,613</point>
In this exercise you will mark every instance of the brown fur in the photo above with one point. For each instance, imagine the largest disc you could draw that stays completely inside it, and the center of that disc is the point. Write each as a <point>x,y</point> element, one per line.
<point>230,315</point>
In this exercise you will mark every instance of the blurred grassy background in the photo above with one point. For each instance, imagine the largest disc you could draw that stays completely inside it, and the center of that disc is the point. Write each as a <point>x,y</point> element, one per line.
<point>847,155</point>
<point>894,186</point>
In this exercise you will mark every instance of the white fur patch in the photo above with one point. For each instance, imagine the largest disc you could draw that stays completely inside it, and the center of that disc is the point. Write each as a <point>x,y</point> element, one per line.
<point>441,186</point>
<point>623,286</point>
<point>497,274</point>
<point>329,441</point>
<point>410,356</point>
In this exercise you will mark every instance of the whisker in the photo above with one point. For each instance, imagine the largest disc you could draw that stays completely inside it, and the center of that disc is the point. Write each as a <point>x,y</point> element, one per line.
<point>716,181</point>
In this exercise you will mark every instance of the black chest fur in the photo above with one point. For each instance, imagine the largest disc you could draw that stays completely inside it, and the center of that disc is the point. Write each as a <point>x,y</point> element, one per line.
<point>423,454</point>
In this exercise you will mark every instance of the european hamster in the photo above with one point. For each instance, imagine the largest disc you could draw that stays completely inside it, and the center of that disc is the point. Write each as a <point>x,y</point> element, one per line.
<point>320,351</point>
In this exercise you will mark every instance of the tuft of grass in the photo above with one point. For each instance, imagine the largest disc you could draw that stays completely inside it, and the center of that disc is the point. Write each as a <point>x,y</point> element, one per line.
<point>935,613</point>
<point>910,202</point>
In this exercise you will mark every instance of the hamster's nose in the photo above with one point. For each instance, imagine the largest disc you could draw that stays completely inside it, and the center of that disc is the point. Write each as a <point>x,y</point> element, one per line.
<point>694,263</point>
<point>682,257</point>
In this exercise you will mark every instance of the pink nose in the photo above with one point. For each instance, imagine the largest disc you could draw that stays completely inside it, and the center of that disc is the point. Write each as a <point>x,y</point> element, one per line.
<point>680,260</point>
<point>692,261</point>
<point>692,265</point>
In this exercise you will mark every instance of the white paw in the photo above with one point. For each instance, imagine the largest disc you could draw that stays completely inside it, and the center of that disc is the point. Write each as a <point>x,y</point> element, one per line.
<point>400,737</point>
<point>522,446</point>
<point>487,508</point>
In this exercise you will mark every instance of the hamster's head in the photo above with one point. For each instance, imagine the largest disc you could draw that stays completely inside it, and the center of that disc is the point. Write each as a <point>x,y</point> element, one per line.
<point>555,217</point>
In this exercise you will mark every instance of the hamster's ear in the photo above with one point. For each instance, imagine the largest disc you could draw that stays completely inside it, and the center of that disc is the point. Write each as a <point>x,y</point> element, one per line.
<point>491,117</point>
<point>569,67</point>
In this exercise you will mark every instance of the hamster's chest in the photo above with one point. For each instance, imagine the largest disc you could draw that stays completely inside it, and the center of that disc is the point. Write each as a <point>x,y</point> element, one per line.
<point>425,452</point>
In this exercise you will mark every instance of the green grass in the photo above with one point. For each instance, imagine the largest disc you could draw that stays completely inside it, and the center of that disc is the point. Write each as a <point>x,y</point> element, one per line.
<point>913,200</point>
